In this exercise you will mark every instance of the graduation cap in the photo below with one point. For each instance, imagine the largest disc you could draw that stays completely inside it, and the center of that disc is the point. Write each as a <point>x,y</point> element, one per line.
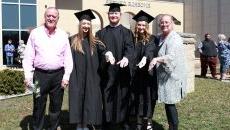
<point>143,16</point>
<point>114,7</point>
<point>177,22</point>
<point>85,14</point>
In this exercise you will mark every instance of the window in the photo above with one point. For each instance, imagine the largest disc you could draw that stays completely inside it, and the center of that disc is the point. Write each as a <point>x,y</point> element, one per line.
<point>28,19</point>
<point>10,1</point>
<point>24,36</point>
<point>10,16</point>
<point>28,1</point>
<point>13,35</point>
<point>18,17</point>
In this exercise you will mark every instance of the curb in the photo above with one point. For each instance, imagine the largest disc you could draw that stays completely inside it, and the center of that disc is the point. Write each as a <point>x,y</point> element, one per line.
<point>4,97</point>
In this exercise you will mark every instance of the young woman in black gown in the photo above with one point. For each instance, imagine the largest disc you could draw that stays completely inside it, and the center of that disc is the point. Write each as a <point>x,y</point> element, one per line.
<point>144,84</point>
<point>85,99</point>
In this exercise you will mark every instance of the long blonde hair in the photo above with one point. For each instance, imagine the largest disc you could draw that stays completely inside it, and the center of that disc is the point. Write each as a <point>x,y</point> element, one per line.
<point>77,40</point>
<point>145,37</point>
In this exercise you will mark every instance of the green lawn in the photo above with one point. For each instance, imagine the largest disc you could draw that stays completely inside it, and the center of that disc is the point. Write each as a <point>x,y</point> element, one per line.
<point>208,108</point>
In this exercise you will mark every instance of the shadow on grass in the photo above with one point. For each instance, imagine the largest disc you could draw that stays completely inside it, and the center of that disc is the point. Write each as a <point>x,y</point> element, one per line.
<point>64,121</point>
<point>157,126</point>
<point>199,76</point>
<point>206,77</point>
<point>26,122</point>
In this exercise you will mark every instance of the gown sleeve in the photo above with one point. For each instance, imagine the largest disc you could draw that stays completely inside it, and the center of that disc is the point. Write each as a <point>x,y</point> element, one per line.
<point>101,49</point>
<point>150,50</point>
<point>129,45</point>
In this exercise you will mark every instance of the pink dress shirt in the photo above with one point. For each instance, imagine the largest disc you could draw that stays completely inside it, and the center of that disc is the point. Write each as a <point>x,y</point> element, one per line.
<point>47,52</point>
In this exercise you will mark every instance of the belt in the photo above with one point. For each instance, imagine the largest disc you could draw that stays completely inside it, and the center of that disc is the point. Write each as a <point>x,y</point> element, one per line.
<point>49,71</point>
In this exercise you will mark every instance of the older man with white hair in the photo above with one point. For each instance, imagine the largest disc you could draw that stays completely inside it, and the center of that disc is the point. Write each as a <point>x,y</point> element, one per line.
<point>48,53</point>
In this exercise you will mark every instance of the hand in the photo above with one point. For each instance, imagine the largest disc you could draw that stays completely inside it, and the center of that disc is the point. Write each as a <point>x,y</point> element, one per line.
<point>109,57</point>
<point>64,84</point>
<point>142,62</point>
<point>27,82</point>
<point>123,63</point>
<point>152,63</point>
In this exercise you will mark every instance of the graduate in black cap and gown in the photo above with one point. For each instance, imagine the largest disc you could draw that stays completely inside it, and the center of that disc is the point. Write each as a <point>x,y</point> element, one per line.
<point>85,99</point>
<point>116,78</point>
<point>144,85</point>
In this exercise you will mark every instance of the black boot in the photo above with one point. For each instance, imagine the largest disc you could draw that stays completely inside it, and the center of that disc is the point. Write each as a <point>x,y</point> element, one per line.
<point>138,127</point>
<point>173,126</point>
<point>94,127</point>
<point>139,124</point>
<point>149,125</point>
<point>126,127</point>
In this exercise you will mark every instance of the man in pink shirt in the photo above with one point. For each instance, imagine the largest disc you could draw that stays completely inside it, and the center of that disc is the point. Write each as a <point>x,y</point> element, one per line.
<point>48,64</point>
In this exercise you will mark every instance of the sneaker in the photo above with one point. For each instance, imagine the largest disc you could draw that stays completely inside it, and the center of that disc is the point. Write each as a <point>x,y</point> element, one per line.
<point>149,126</point>
<point>224,80</point>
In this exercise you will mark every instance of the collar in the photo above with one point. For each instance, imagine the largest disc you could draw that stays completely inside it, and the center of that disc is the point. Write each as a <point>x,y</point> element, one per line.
<point>114,25</point>
<point>49,34</point>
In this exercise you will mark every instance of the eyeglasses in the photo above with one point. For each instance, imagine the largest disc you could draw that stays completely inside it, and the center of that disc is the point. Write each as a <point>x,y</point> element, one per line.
<point>114,13</point>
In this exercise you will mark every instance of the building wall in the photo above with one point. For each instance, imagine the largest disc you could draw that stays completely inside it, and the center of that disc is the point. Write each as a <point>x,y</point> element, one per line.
<point>225,17</point>
<point>69,22</point>
<point>194,23</point>
<point>211,16</point>
<point>201,16</point>
<point>197,16</point>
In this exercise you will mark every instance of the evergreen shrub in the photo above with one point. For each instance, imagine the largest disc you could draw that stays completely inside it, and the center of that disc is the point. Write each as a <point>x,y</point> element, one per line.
<point>11,82</point>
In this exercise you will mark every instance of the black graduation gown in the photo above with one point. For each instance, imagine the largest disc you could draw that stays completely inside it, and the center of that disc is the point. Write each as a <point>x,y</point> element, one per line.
<point>144,85</point>
<point>115,81</point>
<point>85,100</point>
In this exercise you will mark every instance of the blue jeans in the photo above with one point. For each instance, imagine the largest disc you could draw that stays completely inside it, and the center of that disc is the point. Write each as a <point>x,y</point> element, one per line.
<point>9,60</point>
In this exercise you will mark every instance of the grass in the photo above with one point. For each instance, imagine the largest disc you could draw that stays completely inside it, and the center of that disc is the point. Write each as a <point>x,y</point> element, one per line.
<point>208,108</point>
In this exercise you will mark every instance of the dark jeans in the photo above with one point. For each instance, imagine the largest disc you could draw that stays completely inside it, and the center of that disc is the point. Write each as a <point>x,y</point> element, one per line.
<point>172,116</point>
<point>208,61</point>
<point>50,84</point>
<point>9,60</point>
